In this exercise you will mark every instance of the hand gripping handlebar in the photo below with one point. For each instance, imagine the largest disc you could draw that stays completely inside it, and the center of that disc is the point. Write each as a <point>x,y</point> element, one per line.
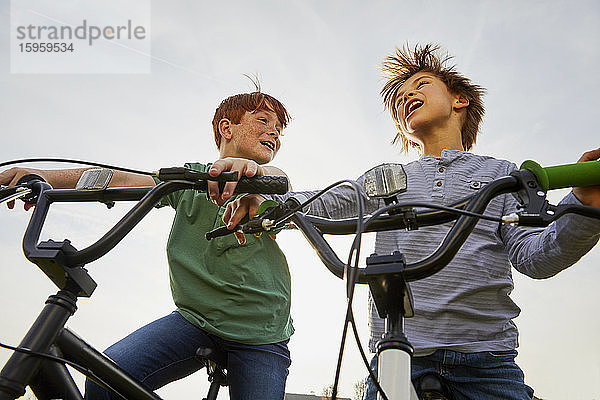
<point>255,184</point>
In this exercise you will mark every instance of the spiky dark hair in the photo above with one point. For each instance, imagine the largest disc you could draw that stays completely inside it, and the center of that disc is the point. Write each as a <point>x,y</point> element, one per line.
<point>406,62</point>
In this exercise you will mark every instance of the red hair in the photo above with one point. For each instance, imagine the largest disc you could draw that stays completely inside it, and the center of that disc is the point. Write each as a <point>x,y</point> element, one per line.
<point>234,107</point>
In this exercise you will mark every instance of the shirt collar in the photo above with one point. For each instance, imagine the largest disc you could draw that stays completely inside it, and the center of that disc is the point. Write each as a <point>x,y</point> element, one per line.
<point>447,156</point>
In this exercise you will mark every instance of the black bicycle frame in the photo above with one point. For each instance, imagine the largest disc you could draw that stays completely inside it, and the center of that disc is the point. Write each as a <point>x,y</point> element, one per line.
<point>388,277</point>
<point>64,265</point>
<point>50,379</point>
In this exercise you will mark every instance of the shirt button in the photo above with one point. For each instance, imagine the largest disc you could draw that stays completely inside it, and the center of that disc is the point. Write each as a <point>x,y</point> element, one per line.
<point>442,169</point>
<point>476,184</point>
<point>438,183</point>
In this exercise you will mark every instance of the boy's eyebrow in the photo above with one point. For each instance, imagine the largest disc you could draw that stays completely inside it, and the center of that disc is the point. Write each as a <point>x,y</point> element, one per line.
<point>401,93</point>
<point>266,114</point>
<point>263,112</point>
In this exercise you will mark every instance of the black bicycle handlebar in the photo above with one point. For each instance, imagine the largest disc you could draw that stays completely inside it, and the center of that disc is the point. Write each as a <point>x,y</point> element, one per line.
<point>522,182</point>
<point>314,228</point>
<point>147,198</point>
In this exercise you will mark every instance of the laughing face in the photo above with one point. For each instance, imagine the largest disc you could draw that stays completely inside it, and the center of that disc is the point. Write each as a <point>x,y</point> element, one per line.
<point>256,137</point>
<point>425,103</point>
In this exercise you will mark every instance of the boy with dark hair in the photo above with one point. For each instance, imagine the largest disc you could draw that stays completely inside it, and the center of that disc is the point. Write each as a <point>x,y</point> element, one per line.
<point>234,299</point>
<point>463,327</point>
<point>405,64</point>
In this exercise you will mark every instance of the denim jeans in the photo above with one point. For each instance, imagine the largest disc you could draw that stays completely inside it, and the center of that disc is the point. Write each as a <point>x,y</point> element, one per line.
<point>163,351</point>
<point>473,376</point>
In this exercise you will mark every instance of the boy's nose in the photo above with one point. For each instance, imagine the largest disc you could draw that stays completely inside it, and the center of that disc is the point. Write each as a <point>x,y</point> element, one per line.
<point>408,95</point>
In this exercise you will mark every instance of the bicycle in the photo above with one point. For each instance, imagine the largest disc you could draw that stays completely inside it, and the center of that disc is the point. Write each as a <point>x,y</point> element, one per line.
<point>40,359</point>
<point>389,275</point>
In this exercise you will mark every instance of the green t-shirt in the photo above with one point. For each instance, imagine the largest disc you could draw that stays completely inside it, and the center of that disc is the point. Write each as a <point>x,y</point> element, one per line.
<point>239,293</point>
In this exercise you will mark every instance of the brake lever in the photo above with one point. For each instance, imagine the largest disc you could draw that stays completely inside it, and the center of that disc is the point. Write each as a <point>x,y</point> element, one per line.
<point>21,190</point>
<point>29,182</point>
<point>271,214</point>
<point>263,222</point>
<point>536,210</point>
<point>18,193</point>
<point>255,225</point>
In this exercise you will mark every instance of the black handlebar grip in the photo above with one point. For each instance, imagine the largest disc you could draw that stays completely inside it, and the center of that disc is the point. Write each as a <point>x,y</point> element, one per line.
<point>263,184</point>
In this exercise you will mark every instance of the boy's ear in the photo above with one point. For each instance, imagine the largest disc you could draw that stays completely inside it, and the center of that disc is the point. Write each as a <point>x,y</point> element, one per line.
<point>225,128</point>
<point>461,101</point>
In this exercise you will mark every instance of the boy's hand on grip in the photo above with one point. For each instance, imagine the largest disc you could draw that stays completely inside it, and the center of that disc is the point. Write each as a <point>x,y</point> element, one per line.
<point>589,195</point>
<point>242,166</point>
<point>11,176</point>
<point>238,209</point>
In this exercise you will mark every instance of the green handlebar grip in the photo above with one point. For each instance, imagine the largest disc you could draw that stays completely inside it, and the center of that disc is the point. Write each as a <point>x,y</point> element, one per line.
<point>585,173</point>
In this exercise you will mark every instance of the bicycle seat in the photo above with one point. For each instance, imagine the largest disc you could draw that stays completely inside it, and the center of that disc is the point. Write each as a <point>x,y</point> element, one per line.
<point>431,387</point>
<point>207,353</point>
<point>216,364</point>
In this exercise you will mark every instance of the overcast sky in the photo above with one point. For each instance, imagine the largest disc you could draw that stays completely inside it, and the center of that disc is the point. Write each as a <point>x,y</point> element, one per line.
<point>538,60</point>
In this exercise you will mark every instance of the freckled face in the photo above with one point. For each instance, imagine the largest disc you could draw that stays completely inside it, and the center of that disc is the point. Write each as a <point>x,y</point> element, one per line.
<point>256,137</point>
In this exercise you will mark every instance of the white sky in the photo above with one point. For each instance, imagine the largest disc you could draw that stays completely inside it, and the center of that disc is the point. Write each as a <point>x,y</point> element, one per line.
<point>538,60</point>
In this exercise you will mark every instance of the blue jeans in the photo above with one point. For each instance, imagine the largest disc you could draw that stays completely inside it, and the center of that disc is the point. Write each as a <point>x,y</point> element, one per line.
<point>473,376</point>
<point>163,351</point>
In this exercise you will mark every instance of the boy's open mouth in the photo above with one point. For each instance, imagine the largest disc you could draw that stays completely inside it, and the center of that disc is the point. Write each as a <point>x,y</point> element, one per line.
<point>412,106</point>
<point>270,145</point>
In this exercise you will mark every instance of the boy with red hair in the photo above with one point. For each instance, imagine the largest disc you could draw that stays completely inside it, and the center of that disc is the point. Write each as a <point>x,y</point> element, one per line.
<point>234,299</point>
